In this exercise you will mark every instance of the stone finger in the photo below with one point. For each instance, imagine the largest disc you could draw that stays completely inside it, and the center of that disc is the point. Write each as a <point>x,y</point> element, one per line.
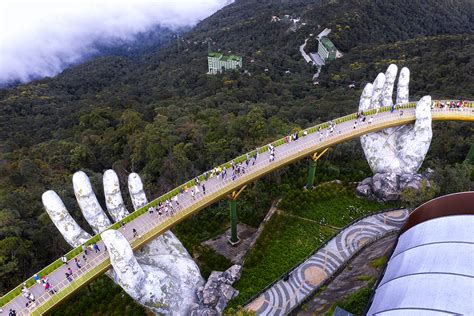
<point>402,86</point>
<point>127,271</point>
<point>423,113</point>
<point>364,103</point>
<point>67,226</point>
<point>113,196</point>
<point>387,91</point>
<point>137,193</point>
<point>375,100</point>
<point>90,207</point>
<point>415,142</point>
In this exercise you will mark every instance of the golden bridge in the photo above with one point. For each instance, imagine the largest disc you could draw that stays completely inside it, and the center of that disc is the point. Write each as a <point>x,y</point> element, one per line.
<point>311,143</point>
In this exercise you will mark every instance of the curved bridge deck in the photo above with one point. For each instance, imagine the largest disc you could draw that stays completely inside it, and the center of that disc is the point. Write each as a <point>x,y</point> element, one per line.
<point>151,225</point>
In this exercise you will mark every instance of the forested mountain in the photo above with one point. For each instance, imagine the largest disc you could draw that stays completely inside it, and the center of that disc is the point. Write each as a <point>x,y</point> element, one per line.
<point>162,116</point>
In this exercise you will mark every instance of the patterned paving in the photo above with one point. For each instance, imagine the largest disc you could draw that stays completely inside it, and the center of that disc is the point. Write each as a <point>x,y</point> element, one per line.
<point>284,296</point>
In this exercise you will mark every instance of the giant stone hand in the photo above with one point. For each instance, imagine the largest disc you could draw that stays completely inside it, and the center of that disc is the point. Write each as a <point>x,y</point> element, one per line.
<point>161,276</point>
<point>399,150</point>
<point>394,154</point>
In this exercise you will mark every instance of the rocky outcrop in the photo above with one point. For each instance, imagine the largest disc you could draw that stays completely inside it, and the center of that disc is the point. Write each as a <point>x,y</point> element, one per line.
<point>217,292</point>
<point>385,187</point>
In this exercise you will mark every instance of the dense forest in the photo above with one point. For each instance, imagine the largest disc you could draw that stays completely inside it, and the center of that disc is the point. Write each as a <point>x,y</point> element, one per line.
<point>160,115</point>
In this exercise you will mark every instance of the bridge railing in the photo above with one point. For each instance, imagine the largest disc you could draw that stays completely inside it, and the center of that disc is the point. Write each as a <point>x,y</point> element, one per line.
<point>74,252</point>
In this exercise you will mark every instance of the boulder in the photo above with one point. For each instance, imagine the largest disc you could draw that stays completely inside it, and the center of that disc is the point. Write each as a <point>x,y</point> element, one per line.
<point>385,187</point>
<point>233,273</point>
<point>217,292</point>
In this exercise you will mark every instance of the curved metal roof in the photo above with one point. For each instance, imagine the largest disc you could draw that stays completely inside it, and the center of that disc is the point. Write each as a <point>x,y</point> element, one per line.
<point>431,271</point>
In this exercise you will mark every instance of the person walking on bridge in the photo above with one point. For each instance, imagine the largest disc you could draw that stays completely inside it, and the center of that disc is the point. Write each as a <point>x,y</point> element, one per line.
<point>96,248</point>
<point>78,263</point>
<point>37,279</point>
<point>68,276</point>
<point>175,199</point>
<point>135,233</point>
<point>84,248</point>
<point>48,287</point>
<point>24,290</point>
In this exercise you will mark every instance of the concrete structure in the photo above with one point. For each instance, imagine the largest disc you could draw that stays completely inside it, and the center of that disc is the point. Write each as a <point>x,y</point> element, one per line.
<point>218,62</point>
<point>324,33</point>
<point>431,270</point>
<point>326,49</point>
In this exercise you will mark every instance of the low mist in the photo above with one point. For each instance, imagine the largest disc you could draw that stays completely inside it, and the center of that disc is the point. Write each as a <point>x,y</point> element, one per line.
<point>41,38</point>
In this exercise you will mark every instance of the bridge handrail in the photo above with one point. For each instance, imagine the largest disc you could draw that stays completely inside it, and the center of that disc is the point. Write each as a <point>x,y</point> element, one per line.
<point>74,252</point>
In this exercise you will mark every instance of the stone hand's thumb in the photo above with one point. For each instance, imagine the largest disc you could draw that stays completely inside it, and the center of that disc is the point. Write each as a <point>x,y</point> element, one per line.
<point>127,272</point>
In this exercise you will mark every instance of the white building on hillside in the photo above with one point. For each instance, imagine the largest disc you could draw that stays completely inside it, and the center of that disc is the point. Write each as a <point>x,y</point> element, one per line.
<point>218,62</point>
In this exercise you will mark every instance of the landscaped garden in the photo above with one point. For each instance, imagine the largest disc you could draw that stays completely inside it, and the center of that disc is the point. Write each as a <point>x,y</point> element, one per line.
<point>304,221</point>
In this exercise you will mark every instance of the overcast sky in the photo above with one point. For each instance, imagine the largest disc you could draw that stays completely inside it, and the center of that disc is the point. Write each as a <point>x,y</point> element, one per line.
<point>39,37</point>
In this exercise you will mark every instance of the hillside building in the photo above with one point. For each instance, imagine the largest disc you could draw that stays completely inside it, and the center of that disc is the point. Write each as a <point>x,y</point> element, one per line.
<point>218,62</point>
<point>326,49</point>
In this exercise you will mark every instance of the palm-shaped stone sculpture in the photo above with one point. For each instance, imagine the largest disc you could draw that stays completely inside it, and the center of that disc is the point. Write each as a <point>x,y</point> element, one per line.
<point>162,276</point>
<point>394,154</point>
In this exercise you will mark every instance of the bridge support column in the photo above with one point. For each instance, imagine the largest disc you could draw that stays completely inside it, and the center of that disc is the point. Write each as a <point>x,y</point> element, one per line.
<point>234,237</point>
<point>312,169</point>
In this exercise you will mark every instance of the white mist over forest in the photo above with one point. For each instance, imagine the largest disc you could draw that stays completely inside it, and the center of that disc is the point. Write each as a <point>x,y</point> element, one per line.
<point>41,38</point>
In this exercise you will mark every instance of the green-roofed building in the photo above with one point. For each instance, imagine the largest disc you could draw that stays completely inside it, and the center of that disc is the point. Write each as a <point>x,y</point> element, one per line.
<point>218,62</point>
<point>326,49</point>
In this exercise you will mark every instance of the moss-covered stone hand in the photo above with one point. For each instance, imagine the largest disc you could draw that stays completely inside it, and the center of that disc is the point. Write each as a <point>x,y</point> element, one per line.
<point>161,275</point>
<point>396,150</point>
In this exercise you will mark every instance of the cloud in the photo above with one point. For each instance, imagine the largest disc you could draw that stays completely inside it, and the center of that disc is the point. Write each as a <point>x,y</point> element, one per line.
<point>39,38</point>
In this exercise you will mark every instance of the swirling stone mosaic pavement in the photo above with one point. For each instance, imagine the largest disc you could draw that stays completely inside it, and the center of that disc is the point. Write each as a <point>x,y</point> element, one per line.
<point>284,295</point>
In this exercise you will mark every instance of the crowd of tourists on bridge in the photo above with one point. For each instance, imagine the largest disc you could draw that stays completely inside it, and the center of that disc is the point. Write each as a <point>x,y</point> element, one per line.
<point>450,104</point>
<point>46,283</point>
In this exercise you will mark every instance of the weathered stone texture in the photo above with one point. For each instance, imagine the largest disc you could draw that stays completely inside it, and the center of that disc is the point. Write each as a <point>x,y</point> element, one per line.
<point>394,154</point>
<point>217,292</point>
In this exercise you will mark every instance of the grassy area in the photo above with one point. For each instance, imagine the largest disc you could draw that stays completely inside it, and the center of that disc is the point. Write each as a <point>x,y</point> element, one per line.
<point>307,219</point>
<point>355,302</point>
<point>331,203</point>
<point>284,243</point>
<point>379,262</point>
<point>213,221</point>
